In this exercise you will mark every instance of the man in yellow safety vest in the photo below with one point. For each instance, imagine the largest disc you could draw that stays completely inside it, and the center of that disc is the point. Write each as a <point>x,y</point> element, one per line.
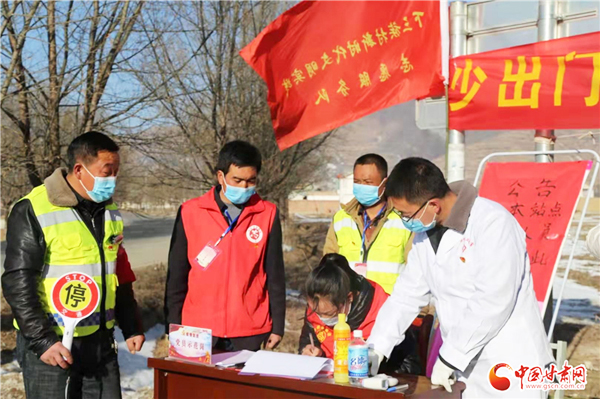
<point>70,224</point>
<point>366,231</point>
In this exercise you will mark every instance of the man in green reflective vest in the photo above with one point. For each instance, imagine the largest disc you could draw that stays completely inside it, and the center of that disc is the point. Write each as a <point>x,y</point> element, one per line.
<point>366,231</point>
<point>70,224</point>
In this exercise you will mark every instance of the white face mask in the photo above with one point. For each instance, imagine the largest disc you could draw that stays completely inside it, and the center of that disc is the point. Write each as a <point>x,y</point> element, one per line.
<point>329,321</point>
<point>332,321</point>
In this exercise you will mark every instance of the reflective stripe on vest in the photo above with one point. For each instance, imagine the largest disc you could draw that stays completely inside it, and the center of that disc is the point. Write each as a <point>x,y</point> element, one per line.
<point>71,247</point>
<point>93,320</point>
<point>385,258</point>
<point>69,215</point>
<point>95,269</point>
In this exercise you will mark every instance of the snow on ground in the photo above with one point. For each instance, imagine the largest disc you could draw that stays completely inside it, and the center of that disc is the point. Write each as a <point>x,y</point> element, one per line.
<point>591,267</point>
<point>135,373</point>
<point>294,296</point>
<point>580,304</point>
<point>12,367</point>
<point>581,249</point>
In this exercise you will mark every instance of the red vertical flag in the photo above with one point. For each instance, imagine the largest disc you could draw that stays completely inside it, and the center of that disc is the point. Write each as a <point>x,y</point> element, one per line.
<point>328,63</point>
<point>542,197</point>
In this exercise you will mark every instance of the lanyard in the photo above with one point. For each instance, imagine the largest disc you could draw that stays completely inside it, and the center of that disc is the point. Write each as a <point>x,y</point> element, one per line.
<point>231,224</point>
<point>228,216</point>
<point>363,249</point>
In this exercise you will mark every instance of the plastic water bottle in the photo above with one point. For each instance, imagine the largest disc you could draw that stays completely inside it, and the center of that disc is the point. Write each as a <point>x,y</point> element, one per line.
<point>341,342</point>
<point>358,358</point>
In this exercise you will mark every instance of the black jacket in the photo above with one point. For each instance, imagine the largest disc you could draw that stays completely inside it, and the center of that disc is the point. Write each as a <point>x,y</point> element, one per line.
<point>24,264</point>
<point>179,270</point>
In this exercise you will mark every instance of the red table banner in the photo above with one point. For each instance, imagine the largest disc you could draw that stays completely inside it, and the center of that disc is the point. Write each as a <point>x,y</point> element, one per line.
<point>327,63</point>
<point>542,196</point>
<point>546,85</point>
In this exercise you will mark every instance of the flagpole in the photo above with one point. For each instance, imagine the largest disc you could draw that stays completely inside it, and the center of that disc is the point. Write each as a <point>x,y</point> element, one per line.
<point>544,138</point>
<point>445,48</point>
<point>455,143</point>
<point>445,40</point>
<point>546,25</point>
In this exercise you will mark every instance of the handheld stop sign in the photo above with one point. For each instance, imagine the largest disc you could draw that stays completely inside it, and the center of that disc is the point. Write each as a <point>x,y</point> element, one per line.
<point>75,296</point>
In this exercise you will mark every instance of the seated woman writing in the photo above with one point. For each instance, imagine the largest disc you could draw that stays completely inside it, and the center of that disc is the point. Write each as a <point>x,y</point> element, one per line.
<point>333,288</point>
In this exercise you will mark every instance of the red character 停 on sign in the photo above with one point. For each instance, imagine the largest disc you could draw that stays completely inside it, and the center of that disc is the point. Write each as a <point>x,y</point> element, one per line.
<point>328,63</point>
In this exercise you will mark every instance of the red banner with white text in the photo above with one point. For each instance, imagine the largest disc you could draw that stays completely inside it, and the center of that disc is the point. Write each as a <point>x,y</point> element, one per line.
<point>546,85</point>
<point>542,197</point>
<point>328,63</point>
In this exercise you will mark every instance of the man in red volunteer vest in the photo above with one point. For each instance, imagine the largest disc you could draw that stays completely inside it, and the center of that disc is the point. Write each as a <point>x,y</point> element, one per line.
<point>226,268</point>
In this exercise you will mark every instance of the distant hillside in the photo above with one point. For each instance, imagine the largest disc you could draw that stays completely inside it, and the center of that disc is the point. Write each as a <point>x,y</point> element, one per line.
<point>392,133</point>
<point>482,143</point>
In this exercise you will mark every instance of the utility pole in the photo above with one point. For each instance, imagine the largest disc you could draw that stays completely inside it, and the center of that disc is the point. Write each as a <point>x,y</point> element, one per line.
<point>544,139</point>
<point>455,143</point>
<point>547,26</point>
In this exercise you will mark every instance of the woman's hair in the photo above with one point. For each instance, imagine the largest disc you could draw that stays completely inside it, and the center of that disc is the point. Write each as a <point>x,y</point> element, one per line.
<point>333,279</point>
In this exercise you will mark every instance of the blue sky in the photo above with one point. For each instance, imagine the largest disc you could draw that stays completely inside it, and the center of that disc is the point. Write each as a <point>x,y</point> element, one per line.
<point>498,12</point>
<point>512,11</point>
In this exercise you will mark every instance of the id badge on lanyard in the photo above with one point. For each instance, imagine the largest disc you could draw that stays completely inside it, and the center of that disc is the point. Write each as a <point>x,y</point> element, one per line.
<point>361,267</point>
<point>210,252</point>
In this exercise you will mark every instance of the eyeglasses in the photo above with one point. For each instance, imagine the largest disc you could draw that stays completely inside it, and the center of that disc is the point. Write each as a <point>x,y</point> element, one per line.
<point>409,218</point>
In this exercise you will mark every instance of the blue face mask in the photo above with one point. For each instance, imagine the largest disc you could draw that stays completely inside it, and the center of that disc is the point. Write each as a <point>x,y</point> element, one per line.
<point>365,194</point>
<point>238,195</point>
<point>104,187</point>
<point>416,226</point>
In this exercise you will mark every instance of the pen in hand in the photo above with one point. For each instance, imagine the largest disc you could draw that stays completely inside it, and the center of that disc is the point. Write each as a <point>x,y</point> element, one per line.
<point>312,350</point>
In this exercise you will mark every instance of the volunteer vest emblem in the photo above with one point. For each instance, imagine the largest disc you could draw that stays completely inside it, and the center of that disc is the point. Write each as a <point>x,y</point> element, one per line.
<point>254,234</point>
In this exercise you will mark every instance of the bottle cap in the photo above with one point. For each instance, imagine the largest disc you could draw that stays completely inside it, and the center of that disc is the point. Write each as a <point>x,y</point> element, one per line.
<point>341,318</point>
<point>358,334</point>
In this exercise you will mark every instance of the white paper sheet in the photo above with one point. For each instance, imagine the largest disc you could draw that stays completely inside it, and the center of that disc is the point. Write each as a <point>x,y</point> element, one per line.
<point>286,365</point>
<point>240,357</point>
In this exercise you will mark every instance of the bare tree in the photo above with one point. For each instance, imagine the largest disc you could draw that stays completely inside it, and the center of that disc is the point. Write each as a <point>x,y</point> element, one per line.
<point>179,92</point>
<point>61,56</point>
<point>209,96</point>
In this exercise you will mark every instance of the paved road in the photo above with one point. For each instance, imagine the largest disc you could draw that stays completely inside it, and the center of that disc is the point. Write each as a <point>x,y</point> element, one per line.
<point>146,239</point>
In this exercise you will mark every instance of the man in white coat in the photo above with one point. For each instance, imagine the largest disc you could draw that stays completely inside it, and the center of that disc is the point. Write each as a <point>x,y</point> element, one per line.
<point>469,253</point>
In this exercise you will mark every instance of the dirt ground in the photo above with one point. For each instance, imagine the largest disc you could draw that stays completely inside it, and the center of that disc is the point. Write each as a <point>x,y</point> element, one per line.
<point>307,250</point>
<point>8,339</point>
<point>585,349</point>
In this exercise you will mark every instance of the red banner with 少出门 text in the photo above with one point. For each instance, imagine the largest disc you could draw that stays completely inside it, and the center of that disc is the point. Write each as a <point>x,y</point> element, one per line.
<point>328,63</point>
<point>545,85</point>
<point>542,197</point>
